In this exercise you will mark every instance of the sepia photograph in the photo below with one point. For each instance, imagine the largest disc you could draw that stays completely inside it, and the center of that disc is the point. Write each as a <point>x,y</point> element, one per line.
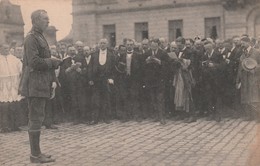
<point>130,82</point>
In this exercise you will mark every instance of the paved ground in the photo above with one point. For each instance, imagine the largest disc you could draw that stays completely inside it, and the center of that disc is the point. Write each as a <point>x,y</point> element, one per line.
<point>232,142</point>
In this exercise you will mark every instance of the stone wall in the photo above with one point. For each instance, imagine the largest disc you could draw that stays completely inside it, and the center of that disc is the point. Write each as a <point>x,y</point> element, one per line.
<point>89,16</point>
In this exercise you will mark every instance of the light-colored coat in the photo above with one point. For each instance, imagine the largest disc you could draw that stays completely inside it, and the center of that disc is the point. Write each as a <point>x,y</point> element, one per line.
<point>249,80</point>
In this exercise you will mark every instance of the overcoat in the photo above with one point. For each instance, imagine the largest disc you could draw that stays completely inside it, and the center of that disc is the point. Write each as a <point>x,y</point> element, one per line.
<point>38,67</point>
<point>249,80</point>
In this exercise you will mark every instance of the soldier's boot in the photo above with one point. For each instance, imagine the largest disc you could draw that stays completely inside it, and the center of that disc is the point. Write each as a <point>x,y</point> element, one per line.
<point>36,155</point>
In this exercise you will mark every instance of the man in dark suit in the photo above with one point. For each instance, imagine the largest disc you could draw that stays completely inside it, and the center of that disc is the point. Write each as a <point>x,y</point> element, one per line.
<point>230,68</point>
<point>155,69</point>
<point>65,81</point>
<point>38,80</point>
<point>232,61</point>
<point>144,99</point>
<point>212,62</point>
<point>196,71</point>
<point>76,91</point>
<point>128,82</point>
<point>85,83</point>
<point>101,70</point>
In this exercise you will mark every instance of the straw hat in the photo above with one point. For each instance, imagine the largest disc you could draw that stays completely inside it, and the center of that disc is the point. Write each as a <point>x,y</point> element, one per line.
<point>249,64</point>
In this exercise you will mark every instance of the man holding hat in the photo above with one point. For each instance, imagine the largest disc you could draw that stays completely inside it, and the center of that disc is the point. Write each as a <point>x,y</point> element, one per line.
<point>248,78</point>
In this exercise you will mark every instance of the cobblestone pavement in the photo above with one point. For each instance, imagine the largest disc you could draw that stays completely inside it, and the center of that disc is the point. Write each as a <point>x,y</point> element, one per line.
<point>232,142</point>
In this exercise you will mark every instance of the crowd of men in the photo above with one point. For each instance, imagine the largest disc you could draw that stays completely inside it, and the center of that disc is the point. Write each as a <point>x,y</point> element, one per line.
<point>181,80</point>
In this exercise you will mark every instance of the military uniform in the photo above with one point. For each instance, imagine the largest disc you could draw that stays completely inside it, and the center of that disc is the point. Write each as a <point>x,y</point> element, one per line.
<point>37,78</point>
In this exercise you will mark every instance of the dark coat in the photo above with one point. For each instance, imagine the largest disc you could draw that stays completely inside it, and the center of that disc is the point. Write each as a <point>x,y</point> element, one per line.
<point>136,63</point>
<point>213,72</point>
<point>93,72</point>
<point>38,67</point>
<point>249,81</point>
<point>154,74</point>
<point>196,64</point>
<point>234,57</point>
<point>73,81</point>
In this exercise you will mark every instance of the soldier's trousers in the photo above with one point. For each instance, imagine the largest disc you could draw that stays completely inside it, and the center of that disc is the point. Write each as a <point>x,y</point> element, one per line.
<point>36,107</point>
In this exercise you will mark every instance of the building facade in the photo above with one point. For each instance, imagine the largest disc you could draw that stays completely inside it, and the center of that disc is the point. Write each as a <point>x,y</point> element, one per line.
<point>139,19</point>
<point>11,23</point>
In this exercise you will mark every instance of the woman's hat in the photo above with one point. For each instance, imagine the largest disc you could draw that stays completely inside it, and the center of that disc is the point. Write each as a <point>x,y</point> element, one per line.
<point>249,64</point>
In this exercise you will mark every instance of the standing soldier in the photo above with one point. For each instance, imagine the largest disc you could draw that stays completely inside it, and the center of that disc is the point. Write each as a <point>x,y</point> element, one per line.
<point>38,80</point>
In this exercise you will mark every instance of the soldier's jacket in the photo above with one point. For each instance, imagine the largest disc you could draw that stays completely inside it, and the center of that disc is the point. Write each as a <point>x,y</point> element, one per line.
<point>38,67</point>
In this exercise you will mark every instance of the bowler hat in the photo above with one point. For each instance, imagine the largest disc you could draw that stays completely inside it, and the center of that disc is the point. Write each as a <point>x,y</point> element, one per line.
<point>249,64</point>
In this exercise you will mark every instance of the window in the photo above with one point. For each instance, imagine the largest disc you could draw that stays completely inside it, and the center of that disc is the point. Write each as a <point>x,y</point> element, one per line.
<point>212,27</point>
<point>109,32</point>
<point>141,31</point>
<point>175,29</point>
